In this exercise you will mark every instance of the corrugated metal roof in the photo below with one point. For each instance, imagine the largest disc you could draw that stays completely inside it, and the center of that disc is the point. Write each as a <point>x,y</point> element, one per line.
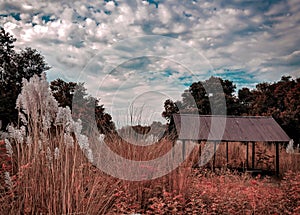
<point>229,128</point>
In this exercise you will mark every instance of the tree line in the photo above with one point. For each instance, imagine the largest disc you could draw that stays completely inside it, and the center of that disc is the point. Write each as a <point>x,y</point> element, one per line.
<point>280,99</point>
<point>14,66</point>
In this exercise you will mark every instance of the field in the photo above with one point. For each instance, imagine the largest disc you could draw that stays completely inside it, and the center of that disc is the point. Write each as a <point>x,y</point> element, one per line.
<point>50,167</point>
<point>58,179</point>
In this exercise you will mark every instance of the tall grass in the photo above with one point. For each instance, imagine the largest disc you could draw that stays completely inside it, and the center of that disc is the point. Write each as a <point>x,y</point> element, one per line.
<point>264,157</point>
<point>51,173</point>
<point>47,169</point>
<point>138,192</point>
<point>62,183</point>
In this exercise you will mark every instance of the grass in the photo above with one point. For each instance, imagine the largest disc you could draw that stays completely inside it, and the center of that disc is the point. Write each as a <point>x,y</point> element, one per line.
<point>47,170</point>
<point>264,157</point>
<point>69,184</point>
<point>42,183</point>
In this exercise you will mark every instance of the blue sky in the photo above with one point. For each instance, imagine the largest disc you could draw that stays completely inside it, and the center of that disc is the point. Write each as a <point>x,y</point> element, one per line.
<point>142,52</point>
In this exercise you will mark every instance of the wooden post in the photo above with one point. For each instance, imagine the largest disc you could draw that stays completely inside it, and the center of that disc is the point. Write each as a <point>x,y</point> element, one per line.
<point>199,155</point>
<point>173,149</point>
<point>277,158</point>
<point>183,149</point>
<point>247,155</point>
<point>214,160</point>
<point>227,159</point>
<point>253,155</point>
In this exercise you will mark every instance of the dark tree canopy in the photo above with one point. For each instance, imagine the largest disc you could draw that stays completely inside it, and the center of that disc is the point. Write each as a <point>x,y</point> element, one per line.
<point>84,107</point>
<point>203,95</point>
<point>170,109</point>
<point>246,98</point>
<point>281,100</point>
<point>14,66</point>
<point>200,97</point>
<point>63,92</point>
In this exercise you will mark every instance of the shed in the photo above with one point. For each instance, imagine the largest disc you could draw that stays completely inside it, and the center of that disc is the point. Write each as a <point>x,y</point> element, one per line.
<point>247,129</point>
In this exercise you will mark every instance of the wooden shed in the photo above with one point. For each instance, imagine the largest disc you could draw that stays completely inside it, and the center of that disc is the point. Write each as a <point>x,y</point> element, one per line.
<point>245,129</point>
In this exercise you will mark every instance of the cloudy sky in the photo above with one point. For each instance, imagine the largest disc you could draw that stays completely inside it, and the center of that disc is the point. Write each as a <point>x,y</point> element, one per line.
<point>137,53</point>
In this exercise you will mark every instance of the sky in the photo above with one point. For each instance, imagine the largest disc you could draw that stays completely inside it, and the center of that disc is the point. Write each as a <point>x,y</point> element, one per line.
<point>135,54</point>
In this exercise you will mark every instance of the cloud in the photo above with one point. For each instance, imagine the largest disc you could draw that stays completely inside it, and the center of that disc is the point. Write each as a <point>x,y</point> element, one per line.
<point>245,41</point>
<point>290,60</point>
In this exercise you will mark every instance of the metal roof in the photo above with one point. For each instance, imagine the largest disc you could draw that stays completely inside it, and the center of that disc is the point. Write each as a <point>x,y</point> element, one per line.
<point>229,128</point>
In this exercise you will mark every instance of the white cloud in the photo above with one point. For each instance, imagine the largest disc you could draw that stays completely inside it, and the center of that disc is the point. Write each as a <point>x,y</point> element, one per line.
<point>110,5</point>
<point>260,39</point>
<point>164,14</point>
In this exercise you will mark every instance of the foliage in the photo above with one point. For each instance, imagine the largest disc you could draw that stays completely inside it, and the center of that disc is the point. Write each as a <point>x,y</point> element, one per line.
<point>46,165</point>
<point>14,66</point>
<point>281,100</point>
<point>83,107</point>
<point>210,93</point>
<point>211,193</point>
<point>63,92</point>
<point>170,109</point>
<point>48,172</point>
<point>51,171</point>
<point>200,97</point>
<point>246,98</point>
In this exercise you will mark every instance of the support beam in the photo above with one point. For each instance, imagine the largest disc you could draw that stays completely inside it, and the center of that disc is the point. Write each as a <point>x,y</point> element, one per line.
<point>277,158</point>
<point>247,155</point>
<point>253,155</point>
<point>227,159</point>
<point>173,149</point>
<point>183,149</point>
<point>199,155</point>
<point>214,160</point>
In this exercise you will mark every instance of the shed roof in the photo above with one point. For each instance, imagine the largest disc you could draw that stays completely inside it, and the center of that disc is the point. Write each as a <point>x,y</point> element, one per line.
<point>229,128</point>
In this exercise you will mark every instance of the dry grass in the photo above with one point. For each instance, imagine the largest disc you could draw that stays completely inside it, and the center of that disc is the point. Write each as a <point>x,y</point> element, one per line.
<point>70,185</point>
<point>45,182</point>
<point>289,162</point>
<point>45,169</point>
<point>264,157</point>
<point>136,196</point>
<point>65,183</point>
<point>50,172</point>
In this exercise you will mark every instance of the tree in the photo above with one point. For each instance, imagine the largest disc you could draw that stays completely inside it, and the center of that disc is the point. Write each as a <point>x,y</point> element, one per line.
<point>200,97</point>
<point>63,92</point>
<point>209,95</point>
<point>6,47</point>
<point>14,66</point>
<point>245,98</point>
<point>170,109</point>
<point>281,100</point>
<point>84,107</point>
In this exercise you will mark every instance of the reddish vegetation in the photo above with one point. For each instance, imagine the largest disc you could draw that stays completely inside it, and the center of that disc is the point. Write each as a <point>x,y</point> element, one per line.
<point>217,194</point>
<point>5,164</point>
<point>209,193</point>
<point>186,190</point>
